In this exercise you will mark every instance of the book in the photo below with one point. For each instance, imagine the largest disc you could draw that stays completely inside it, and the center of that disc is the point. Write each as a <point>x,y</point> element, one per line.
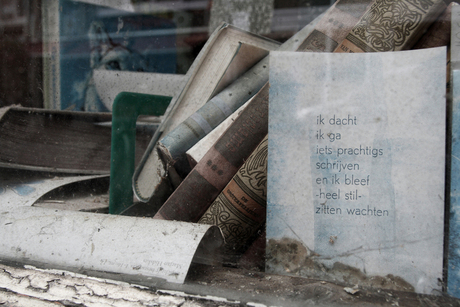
<point>60,141</point>
<point>391,26</point>
<point>356,167</point>
<point>227,54</point>
<point>204,183</point>
<point>438,34</point>
<point>333,27</point>
<point>240,209</point>
<point>174,145</point>
<point>198,150</point>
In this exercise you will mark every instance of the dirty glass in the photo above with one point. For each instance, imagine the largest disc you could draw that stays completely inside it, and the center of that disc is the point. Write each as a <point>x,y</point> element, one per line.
<point>108,107</point>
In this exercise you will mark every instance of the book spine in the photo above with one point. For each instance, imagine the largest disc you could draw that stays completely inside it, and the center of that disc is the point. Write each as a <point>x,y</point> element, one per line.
<point>391,25</point>
<point>204,183</point>
<point>175,144</point>
<point>240,209</point>
<point>335,25</point>
<point>439,33</point>
<point>198,150</point>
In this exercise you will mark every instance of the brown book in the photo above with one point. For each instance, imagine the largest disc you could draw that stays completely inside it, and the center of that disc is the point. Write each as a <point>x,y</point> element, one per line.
<point>335,25</point>
<point>391,25</point>
<point>241,207</point>
<point>58,141</point>
<point>439,33</point>
<point>204,183</point>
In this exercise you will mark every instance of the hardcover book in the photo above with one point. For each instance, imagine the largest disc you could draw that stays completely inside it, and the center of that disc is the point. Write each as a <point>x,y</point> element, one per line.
<point>240,209</point>
<point>228,53</point>
<point>334,26</point>
<point>198,150</point>
<point>391,25</point>
<point>174,145</point>
<point>204,183</point>
<point>356,165</point>
<point>438,34</point>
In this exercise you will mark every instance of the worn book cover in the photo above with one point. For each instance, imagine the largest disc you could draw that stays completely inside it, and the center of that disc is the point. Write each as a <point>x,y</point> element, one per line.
<point>356,167</point>
<point>332,28</point>
<point>228,53</point>
<point>60,141</point>
<point>438,34</point>
<point>391,25</point>
<point>240,209</point>
<point>207,179</point>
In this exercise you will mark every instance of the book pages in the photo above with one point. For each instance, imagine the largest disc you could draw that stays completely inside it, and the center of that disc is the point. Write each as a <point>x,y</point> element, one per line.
<point>356,167</point>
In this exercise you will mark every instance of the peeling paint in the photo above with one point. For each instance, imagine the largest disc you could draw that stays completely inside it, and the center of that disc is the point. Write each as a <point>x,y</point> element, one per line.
<point>43,288</point>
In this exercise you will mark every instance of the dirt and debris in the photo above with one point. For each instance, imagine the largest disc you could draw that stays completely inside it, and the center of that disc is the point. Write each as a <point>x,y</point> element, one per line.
<point>288,256</point>
<point>280,290</point>
<point>205,286</point>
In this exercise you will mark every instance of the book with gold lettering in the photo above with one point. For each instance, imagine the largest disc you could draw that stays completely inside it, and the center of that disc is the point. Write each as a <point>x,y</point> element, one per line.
<point>173,146</point>
<point>391,25</point>
<point>207,179</point>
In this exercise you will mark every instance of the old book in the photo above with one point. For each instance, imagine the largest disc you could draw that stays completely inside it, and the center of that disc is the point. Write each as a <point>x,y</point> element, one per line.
<point>198,150</point>
<point>174,145</point>
<point>227,54</point>
<point>334,26</point>
<point>438,34</point>
<point>202,185</point>
<point>355,189</point>
<point>240,209</point>
<point>391,26</point>
<point>59,141</point>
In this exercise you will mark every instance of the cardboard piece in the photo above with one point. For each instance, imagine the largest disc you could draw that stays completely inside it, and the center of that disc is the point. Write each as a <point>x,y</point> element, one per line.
<point>356,167</point>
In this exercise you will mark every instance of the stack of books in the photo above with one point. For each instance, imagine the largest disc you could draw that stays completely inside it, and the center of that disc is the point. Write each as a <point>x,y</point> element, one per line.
<point>212,149</point>
<point>207,160</point>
